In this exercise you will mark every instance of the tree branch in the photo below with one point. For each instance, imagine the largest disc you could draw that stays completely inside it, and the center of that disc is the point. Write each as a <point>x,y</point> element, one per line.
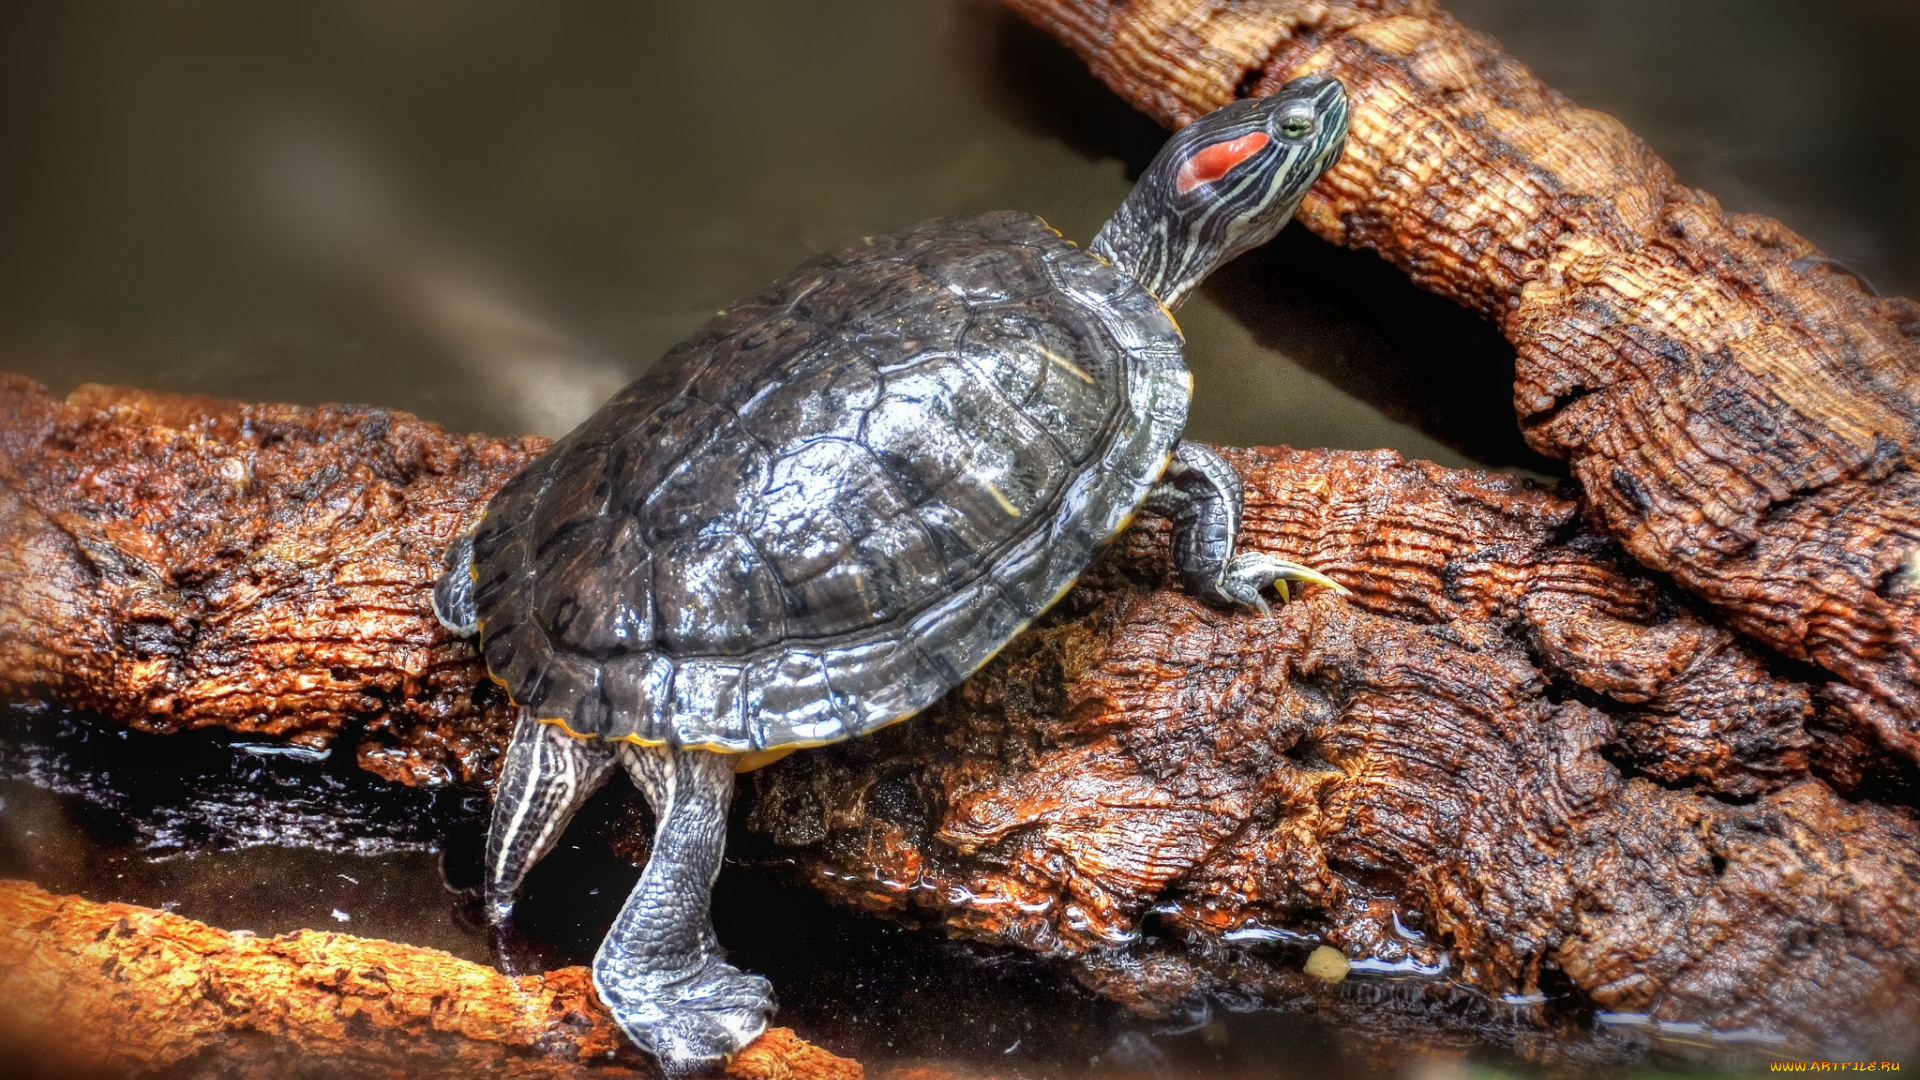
<point>1740,415</point>
<point>114,989</point>
<point>1509,755</point>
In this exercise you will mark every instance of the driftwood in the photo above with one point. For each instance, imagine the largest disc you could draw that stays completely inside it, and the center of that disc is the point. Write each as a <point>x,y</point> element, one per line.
<point>119,990</point>
<point>1508,756</point>
<point>1511,757</point>
<point>179,562</point>
<point>1741,415</point>
<point>1505,758</point>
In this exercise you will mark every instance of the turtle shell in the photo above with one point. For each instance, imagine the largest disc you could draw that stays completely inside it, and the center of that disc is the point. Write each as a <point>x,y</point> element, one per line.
<point>837,499</point>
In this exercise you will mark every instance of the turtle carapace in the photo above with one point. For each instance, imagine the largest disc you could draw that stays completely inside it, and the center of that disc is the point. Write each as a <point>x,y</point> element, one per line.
<point>836,501</point>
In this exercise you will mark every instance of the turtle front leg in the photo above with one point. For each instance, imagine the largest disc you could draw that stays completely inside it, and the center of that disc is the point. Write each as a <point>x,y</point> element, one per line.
<point>1203,498</point>
<point>660,969</point>
<point>546,776</point>
<point>453,592</point>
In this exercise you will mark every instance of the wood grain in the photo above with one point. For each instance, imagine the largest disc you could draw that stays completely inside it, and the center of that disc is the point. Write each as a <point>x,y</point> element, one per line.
<point>119,990</point>
<point>1510,757</point>
<point>1743,422</point>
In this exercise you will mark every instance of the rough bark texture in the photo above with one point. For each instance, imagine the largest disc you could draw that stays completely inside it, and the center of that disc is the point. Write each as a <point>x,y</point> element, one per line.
<point>1507,755</point>
<point>1493,761</point>
<point>177,562</point>
<point>117,990</point>
<point>1744,425</point>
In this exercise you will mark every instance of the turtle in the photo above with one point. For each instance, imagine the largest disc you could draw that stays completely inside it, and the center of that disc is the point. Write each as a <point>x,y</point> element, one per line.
<point>837,500</point>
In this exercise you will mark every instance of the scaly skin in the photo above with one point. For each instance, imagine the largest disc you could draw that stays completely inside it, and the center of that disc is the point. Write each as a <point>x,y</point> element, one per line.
<point>660,968</point>
<point>609,607</point>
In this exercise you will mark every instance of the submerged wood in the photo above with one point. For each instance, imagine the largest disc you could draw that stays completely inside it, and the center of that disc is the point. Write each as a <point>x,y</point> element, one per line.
<point>119,990</point>
<point>1741,415</point>
<point>1509,757</point>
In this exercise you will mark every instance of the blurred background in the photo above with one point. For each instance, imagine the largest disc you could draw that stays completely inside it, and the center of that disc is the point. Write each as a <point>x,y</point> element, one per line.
<point>492,213</point>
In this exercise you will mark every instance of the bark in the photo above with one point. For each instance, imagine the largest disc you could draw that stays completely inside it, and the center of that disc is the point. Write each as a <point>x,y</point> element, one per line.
<point>118,990</point>
<point>177,562</point>
<point>1498,761</point>
<point>1740,416</point>
<point>1509,756</point>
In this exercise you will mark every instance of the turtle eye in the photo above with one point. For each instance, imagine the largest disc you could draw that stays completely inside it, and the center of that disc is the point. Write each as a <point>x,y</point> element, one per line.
<point>1296,127</point>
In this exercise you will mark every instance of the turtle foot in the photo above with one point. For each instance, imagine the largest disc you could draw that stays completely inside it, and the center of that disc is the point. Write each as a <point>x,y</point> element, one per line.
<point>694,1021</point>
<point>453,592</point>
<point>1248,573</point>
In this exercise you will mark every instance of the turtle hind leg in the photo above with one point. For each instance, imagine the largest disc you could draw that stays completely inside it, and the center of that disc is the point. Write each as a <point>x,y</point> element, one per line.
<point>660,969</point>
<point>453,593</point>
<point>1203,498</point>
<point>545,777</point>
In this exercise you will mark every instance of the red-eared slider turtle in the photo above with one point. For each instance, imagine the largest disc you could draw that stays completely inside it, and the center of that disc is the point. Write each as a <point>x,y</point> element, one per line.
<point>838,500</point>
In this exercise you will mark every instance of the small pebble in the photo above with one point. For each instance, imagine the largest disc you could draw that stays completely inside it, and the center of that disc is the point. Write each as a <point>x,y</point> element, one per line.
<point>1327,963</point>
<point>341,916</point>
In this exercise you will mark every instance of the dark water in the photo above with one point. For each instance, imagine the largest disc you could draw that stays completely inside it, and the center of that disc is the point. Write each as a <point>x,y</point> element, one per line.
<point>212,197</point>
<point>233,833</point>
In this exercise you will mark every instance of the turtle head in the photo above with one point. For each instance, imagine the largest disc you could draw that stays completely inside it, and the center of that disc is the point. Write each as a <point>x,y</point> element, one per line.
<point>1224,184</point>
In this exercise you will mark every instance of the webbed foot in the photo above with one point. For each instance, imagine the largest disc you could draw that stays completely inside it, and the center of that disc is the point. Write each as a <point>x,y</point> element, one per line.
<point>1246,574</point>
<point>694,1021</point>
<point>1202,496</point>
<point>660,970</point>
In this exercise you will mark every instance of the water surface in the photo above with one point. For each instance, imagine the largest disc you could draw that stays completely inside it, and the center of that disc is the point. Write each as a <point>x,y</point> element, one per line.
<point>188,197</point>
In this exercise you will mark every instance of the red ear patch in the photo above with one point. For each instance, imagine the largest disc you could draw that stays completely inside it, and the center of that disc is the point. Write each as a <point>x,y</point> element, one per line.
<point>1216,161</point>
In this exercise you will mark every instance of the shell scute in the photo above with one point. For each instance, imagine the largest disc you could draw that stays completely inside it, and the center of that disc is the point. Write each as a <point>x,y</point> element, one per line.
<point>709,705</point>
<point>593,592</point>
<point>991,274</point>
<point>889,313</point>
<point>1038,356</point>
<point>876,679</point>
<point>1011,227</point>
<point>1090,281</point>
<point>638,691</point>
<point>847,549</point>
<point>725,459</point>
<point>568,687</point>
<point>794,523</point>
<point>650,449</point>
<point>518,658</point>
<point>577,490</point>
<point>973,463</point>
<point>819,397</point>
<point>740,364</point>
<point>794,683</point>
<point>836,499</point>
<point>714,595</point>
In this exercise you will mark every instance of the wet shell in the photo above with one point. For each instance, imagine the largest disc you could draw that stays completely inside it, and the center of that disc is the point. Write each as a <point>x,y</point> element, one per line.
<point>836,500</point>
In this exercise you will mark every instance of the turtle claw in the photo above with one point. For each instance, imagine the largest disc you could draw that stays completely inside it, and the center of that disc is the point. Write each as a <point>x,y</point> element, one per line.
<point>1247,573</point>
<point>692,1022</point>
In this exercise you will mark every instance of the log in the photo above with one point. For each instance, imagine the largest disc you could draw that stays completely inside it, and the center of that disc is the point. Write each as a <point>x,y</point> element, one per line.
<point>176,562</point>
<point>1510,759</point>
<point>119,990</point>
<point>1739,414</point>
